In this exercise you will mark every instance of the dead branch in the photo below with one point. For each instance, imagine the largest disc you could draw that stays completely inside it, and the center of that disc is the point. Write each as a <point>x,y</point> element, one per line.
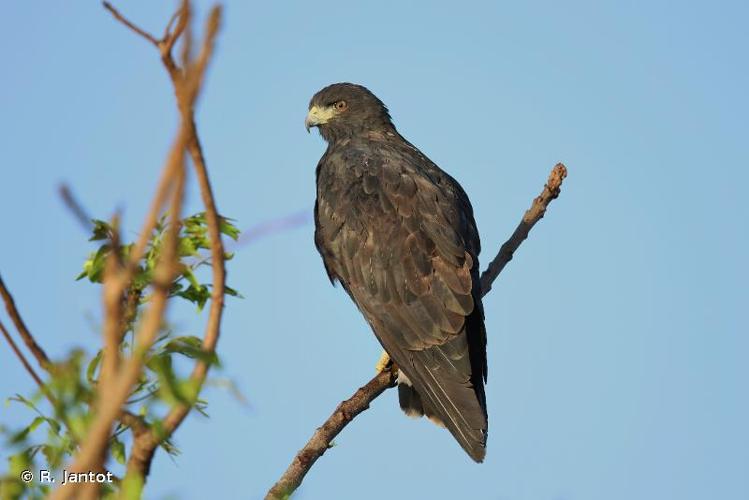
<point>130,25</point>
<point>534,214</point>
<point>20,356</point>
<point>323,437</point>
<point>28,339</point>
<point>75,207</point>
<point>42,387</point>
<point>362,398</point>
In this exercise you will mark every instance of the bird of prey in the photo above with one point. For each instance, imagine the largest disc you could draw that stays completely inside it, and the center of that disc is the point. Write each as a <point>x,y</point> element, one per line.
<point>398,233</point>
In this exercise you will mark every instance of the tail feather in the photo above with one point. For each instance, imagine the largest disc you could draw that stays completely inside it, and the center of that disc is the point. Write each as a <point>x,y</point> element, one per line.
<point>458,405</point>
<point>431,385</point>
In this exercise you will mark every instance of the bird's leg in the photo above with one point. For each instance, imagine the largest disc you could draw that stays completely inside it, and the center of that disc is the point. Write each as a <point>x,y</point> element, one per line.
<point>385,363</point>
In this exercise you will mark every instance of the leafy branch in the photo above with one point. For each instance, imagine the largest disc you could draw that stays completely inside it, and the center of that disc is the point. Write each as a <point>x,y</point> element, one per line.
<point>121,387</point>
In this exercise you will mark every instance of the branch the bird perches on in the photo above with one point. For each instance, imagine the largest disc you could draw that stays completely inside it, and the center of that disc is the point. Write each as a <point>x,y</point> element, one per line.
<point>348,410</point>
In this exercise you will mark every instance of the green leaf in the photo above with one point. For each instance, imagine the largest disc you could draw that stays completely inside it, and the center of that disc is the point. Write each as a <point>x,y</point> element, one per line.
<point>226,227</point>
<point>169,387</point>
<point>187,273</point>
<point>189,346</point>
<point>198,296</point>
<point>158,428</point>
<point>19,462</point>
<point>230,291</point>
<point>54,425</point>
<point>101,230</point>
<point>20,399</point>
<point>92,366</point>
<point>93,268</point>
<point>187,247</point>
<point>52,454</point>
<point>118,450</point>
<point>143,278</point>
<point>20,436</point>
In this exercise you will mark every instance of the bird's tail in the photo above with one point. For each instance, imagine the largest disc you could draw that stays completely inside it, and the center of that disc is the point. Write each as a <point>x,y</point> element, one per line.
<point>458,405</point>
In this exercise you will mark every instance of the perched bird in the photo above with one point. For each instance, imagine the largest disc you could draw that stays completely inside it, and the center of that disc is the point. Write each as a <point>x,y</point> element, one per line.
<point>398,233</point>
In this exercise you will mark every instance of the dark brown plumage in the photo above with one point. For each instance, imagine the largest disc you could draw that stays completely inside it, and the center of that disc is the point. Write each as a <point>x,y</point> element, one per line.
<point>399,234</point>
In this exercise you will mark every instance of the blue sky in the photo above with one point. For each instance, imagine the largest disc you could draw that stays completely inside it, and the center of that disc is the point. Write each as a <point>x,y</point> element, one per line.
<point>617,366</point>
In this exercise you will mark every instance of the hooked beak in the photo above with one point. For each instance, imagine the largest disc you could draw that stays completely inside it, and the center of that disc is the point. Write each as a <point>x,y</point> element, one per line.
<point>318,116</point>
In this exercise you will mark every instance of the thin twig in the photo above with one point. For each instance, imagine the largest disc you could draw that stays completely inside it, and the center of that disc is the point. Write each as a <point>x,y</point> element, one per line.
<point>360,401</point>
<point>42,387</point>
<point>80,213</point>
<point>126,22</point>
<point>170,38</point>
<point>263,229</point>
<point>21,357</point>
<point>28,339</point>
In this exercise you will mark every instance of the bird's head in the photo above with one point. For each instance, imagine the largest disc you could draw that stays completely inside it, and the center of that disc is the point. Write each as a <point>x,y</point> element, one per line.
<point>345,110</point>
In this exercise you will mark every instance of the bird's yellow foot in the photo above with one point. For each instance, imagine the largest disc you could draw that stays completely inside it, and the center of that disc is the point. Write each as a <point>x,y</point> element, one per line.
<point>385,363</point>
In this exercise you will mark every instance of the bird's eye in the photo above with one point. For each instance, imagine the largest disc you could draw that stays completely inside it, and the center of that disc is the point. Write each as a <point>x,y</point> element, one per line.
<point>341,105</point>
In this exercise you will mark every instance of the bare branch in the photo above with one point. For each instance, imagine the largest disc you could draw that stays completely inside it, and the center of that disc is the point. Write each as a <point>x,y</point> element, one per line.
<point>263,229</point>
<point>20,356</point>
<point>360,401</point>
<point>534,214</point>
<point>80,213</point>
<point>170,37</point>
<point>324,435</point>
<point>140,31</point>
<point>42,387</point>
<point>28,339</point>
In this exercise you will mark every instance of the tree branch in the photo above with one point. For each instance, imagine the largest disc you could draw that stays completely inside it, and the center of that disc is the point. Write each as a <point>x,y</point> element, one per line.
<point>534,214</point>
<point>75,207</point>
<point>21,357</point>
<point>116,381</point>
<point>46,364</point>
<point>362,398</point>
<point>187,81</point>
<point>28,339</point>
<point>129,24</point>
<point>323,437</point>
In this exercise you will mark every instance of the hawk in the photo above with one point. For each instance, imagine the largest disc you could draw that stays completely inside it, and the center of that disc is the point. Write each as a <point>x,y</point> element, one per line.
<point>399,235</point>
